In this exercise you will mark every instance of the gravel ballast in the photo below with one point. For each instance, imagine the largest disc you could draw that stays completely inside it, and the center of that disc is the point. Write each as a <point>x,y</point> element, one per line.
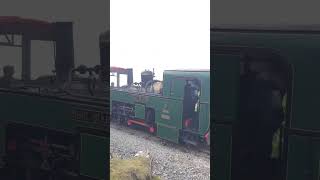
<point>169,161</point>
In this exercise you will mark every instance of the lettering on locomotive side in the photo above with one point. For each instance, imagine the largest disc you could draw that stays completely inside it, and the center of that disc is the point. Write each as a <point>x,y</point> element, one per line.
<point>88,116</point>
<point>165,116</point>
<point>165,109</point>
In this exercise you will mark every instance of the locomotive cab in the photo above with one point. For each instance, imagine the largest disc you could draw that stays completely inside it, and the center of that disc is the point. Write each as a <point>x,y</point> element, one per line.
<point>252,107</point>
<point>190,86</point>
<point>191,104</point>
<point>264,81</point>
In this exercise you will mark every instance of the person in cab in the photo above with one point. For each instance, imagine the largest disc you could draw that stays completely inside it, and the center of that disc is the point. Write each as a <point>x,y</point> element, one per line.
<point>244,129</point>
<point>277,140</point>
<point>269,113</point>
<point>7,80</point>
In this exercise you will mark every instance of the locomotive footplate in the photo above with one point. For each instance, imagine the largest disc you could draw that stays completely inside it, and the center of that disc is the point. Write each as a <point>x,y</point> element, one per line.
<point>151,128</point>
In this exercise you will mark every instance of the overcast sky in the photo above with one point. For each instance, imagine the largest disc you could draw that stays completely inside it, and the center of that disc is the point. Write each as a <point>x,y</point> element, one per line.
<point>166,34</point>
<point>89,17</point>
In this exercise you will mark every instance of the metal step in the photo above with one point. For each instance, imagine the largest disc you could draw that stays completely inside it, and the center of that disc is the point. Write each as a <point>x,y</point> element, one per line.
<point>195,143</point>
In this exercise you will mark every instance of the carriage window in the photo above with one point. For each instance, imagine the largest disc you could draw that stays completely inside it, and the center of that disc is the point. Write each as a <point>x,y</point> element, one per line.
<point>181,86</point>
<point>11,55</point>
<point>113,79</point>
<point>42,60</point>
<point>122,80</point>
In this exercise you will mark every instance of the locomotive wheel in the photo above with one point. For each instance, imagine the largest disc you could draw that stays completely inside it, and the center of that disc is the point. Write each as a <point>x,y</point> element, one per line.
<point>120,120</point>
<point>118,117</point>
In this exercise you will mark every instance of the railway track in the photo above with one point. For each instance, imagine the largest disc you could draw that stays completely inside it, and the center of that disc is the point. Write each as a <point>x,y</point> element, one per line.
<point>199,150</point>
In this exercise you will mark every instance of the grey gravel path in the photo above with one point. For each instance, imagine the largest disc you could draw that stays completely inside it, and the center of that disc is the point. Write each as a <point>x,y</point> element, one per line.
<point>170,162</point>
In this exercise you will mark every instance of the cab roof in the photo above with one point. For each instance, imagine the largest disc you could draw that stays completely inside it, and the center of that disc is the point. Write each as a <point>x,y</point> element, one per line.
<point>190,70</point>
<point>313,28</point>
<point>6,20</point>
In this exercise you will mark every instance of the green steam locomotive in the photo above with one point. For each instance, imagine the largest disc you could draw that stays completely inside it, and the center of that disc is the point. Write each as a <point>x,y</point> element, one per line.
<point>55,126</point>
<point>175,109</point>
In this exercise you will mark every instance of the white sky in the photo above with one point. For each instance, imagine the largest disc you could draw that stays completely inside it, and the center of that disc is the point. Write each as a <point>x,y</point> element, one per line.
<point>166,34</point>
<point>160,34</point>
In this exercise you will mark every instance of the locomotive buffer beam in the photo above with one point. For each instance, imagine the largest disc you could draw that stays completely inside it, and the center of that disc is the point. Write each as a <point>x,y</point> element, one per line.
<point>141,123</point>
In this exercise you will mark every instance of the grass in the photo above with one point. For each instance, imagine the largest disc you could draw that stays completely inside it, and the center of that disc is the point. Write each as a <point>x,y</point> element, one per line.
<point>131,169</point>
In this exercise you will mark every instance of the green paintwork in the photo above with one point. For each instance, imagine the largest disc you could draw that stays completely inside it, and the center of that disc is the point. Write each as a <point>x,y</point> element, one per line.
<point>222,146</point>
<point>169,105</point>
<point>139,111</point>
<point>169,133</point>
<point>55,115</point>
<point>302,53</point>
<point>173,115</point>
<point>299,165</point>
<point>303,158</point>
<point>225,81</point>
<point>2,138</point>
<point>204,125</point>
<point>301,50</point>
<point>110,102</point>
<point>93,156</point>
<point>121,96</point>
<point>170,76</point>
<point>36,111</point>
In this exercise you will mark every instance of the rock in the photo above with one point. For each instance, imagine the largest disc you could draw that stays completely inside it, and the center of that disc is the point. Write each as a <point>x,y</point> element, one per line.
<point>142,154</point>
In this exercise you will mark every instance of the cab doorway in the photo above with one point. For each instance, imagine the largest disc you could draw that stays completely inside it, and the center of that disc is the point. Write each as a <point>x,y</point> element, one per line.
<point>258,141</point>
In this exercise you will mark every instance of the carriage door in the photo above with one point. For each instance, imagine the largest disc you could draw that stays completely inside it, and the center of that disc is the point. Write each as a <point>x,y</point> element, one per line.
<point>226,73</point>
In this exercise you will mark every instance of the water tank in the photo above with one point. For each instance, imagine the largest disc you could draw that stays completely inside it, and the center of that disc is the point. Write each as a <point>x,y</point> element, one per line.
<point>146,76</point>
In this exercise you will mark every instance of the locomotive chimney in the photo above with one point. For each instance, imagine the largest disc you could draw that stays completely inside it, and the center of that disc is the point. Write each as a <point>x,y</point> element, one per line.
<point>146,76</point>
